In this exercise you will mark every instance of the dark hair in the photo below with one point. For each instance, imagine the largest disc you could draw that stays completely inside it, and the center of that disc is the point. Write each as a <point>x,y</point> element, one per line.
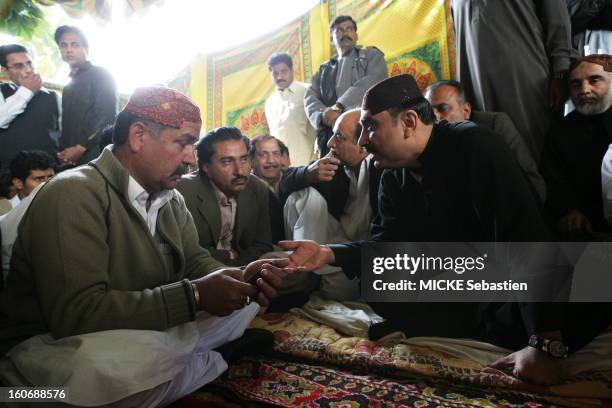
<point>420,105</point>
<point>125,120</point>
<point>106,136</point>
<point>205,147</point>
<point>260,138</point>
<point>61,30</point>
<point>5,182</point>
<point>283,148</point>
<point>279,58</point>
<point>449,82</point>
<point>28,160</point>
<point>340,20</point>
<point>8,49</point>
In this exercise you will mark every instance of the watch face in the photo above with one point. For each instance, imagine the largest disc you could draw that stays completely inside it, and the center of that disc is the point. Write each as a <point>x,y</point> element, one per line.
<point>557,349</point>
<point>533,341</point>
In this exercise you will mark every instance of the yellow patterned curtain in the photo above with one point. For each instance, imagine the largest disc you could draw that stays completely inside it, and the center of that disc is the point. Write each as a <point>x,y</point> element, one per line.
<point>231,86</point>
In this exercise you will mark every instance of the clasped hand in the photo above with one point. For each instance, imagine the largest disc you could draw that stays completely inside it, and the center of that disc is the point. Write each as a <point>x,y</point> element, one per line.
<point>226,290</point>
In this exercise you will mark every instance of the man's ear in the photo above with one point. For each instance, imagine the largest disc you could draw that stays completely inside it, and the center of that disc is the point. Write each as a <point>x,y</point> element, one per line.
<point>204,168</point>
<point>136,136</point>
<point>17,183</point>
<point>467,111</point>
<point>410,119</point>
<point>4,69</point>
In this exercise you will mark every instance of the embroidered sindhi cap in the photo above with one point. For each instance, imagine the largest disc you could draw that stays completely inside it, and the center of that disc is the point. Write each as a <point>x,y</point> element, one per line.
<point>164,106</point>
<point>390,92</point>
<point>605,60</point>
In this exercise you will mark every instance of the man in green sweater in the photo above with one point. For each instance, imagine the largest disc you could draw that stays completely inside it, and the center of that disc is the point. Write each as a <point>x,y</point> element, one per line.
<point>107,277</point>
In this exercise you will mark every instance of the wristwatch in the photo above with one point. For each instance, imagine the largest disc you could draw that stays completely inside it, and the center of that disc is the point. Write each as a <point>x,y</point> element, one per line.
<point>554,348</point>
<point>338,107</point>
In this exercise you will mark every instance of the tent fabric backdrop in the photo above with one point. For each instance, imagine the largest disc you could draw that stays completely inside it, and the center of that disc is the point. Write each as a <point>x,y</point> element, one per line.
<point>231,86</point>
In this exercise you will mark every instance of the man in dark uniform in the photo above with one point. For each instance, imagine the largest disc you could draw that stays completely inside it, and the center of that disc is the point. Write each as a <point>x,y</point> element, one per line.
<point>341,82</point>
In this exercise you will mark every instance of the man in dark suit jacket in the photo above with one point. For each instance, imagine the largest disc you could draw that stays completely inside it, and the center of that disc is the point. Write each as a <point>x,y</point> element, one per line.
<point>449,103</point>
<point>229,207</point>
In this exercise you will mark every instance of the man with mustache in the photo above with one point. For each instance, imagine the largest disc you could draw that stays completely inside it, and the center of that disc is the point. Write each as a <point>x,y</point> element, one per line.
<point>573,158</point>
<point>341,82</point>
<point>230,208</point>
<point>285,110</point>
<point>107,275</point>
<point>265,152</point>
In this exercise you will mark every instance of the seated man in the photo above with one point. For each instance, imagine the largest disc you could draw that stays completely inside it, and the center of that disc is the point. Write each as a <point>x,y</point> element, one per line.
<point>107,264</point>
<point>266,157</point>
<point>229,207</point>
<point>572,158</point>
<point>341,203</point>
<point>448,101</point>
<point>28,170</point>
<point>342,191</point>
<point>455,183</point>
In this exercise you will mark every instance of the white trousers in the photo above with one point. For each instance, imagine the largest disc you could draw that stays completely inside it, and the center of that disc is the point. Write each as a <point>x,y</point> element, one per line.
<point>128,368</point>
<point>306,217</point>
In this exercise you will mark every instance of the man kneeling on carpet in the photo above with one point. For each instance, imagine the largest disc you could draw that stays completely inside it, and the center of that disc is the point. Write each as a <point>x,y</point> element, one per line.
<point>456,183</point>
<point>109,293</point>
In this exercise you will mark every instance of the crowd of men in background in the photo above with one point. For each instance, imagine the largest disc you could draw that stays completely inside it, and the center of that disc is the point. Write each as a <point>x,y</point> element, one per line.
<point>186,211</point>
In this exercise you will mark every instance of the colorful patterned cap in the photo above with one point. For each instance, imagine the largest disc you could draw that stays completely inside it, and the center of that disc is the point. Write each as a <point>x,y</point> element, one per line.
<point>164,106</point>
<point>391,92</point>
<point>605,60</point>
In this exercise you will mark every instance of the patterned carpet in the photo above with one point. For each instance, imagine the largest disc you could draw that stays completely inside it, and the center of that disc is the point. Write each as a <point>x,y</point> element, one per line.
<point>315,366</point>
<point>266,381</point>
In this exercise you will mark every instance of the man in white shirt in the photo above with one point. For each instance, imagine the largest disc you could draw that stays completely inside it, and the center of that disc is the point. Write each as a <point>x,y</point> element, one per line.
<point>285,111</point>
<point>29,169</point>
<point>29,114</point>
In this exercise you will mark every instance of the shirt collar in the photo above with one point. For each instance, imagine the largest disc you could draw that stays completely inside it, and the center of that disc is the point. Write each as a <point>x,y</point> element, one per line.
<point>222,199</point>
<point>290,88</point>
<point>137,194</point>
<point>84,67</point>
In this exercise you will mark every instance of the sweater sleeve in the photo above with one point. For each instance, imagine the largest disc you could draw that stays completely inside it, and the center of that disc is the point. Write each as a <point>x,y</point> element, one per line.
<point>63,241</point>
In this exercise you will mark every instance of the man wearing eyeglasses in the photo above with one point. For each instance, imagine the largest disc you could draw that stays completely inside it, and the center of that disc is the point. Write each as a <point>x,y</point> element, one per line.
<point>29,114</point>
<point>341,82</point>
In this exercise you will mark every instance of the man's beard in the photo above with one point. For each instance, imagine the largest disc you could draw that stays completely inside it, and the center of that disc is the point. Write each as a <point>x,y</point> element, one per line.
<point>601,106</point>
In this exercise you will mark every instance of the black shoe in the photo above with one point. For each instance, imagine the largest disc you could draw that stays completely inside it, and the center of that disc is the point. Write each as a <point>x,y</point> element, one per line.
<point>253,341</point>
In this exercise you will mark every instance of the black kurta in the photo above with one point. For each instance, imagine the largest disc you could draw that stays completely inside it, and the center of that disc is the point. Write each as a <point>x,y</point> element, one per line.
<point>572,166</point>
<point>470,190</point>
<point>89,103</point>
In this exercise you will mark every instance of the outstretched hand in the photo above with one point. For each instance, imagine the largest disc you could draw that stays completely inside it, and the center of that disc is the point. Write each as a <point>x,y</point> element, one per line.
<point>531,365</point>
<point>307,255</point>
